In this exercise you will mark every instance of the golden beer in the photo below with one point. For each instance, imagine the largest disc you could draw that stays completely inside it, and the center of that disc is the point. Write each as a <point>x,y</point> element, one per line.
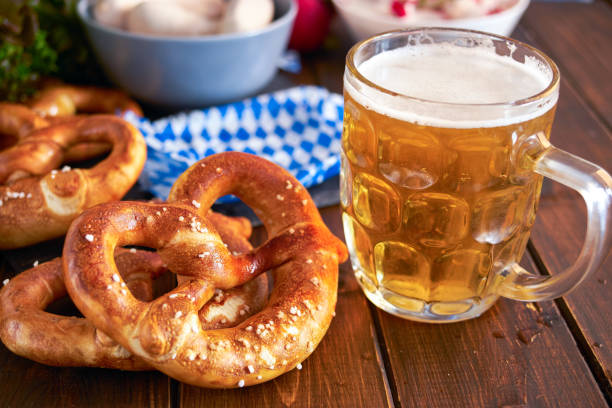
<point>433,215</point>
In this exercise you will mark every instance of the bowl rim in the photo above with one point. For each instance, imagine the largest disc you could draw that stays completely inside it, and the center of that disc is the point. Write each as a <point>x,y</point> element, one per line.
<point>519,7</point>
<point>86,17</point>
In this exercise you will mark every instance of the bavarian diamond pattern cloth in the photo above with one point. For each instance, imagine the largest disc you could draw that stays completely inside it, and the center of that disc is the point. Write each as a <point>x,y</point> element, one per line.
<point>297,128</point>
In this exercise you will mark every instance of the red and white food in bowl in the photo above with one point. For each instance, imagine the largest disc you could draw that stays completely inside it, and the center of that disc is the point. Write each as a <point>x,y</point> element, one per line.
<point>184,17</point>
<point>365,18</point>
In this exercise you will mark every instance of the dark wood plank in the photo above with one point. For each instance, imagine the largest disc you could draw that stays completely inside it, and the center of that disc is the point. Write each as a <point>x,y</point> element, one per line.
<point>24,383</point>
<point>578,130</point>
<point>344,371</point>
<point>27,384</point>
<point>484,363</point>
<point>562,211</point>
<point>578,37</point>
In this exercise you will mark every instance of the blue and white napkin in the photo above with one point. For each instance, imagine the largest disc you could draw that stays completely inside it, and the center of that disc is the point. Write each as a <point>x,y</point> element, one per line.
<point>297,128</point>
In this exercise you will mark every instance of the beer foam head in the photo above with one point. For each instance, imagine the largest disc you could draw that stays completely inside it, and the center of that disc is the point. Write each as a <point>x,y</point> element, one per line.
<point>450,74</point>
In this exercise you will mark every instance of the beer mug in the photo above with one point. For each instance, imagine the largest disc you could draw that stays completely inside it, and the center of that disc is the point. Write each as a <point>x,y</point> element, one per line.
<point>444,146</point>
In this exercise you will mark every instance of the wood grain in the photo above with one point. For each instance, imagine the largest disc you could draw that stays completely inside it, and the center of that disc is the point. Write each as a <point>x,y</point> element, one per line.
<point>511,380</point>
<point>27,384</point>
<point>578,37</point>
<point>579,131</point>
<point>345,370</point>
<point>486,362</point>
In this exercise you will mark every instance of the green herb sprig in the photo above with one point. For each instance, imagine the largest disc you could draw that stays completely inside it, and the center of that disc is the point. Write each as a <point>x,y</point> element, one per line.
<point>42,38</point>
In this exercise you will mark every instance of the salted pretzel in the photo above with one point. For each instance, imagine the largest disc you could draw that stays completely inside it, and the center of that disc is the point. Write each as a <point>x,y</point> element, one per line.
<point>38,202</point>
<point>29,331</point>
<point>62,100</point>
<point>167,332</point>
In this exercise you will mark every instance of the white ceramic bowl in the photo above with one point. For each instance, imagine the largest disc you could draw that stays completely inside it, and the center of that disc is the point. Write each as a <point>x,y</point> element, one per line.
<point>363,23</point>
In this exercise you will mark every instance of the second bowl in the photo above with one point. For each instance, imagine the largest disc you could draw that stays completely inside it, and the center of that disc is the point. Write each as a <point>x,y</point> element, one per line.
<point>363,23</point>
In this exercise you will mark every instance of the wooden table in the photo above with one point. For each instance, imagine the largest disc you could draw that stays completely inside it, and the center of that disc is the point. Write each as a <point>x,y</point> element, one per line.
<point>516,355</point>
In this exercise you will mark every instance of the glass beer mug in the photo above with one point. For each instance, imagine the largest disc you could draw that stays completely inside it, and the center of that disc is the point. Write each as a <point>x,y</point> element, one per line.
<point>444,146</point>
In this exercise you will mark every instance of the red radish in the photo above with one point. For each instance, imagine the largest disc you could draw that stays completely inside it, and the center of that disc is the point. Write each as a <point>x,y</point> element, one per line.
<point>401,8</point>
<point>398,8</point>
<point>311,25</point>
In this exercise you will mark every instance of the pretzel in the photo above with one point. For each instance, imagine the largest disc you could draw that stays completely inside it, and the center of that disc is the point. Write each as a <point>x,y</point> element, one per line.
<point>167,333</point>
<point>27,330</point>
<point>18,121</point>
<point>38,202</point>
<point>62,100</point>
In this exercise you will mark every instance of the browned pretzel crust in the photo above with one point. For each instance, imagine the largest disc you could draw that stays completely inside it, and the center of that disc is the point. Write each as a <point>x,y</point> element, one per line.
<point>19,120</point>
<point>16,122</point>
<point>227,308</point>
<point>27,330</point>
<point>62,100</point>
<point>167,332</point>
<point>38,202</point>
<point>58,103</point>
<point>80,151</point>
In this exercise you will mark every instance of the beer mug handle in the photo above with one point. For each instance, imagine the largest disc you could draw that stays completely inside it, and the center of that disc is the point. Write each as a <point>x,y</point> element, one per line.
<point>595,186</point>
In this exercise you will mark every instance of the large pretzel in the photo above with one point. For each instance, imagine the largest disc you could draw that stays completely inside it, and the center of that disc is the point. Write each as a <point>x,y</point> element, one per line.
<point>29,331</point>
<point>167,332</point>
<point>38,202</point>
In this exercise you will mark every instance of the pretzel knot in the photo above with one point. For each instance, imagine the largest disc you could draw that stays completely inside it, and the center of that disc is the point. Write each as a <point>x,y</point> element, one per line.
<point>38,202</point>
<point>18,121</point>
<point>166,332</point>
